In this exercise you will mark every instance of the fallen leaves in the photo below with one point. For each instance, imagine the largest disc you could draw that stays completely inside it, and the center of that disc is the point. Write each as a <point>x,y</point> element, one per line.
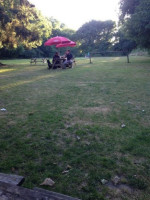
<point>48,181</point>
<point>68,167</point>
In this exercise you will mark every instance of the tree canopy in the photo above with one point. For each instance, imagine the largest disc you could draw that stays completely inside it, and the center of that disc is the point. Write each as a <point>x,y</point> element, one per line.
<point>22,24</point>
<point>135,17</point>
<point>127,8</point>
<point>23,30</point>
<point>122,43</point>
<point>96,35</point>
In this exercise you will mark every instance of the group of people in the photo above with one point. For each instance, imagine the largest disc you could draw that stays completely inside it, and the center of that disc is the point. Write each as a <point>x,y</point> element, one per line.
<point>67,60</point>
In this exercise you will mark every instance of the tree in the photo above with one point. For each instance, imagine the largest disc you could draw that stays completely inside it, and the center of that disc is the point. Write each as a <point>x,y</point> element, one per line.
<point>135,17</point>
<point>122,43</point>
<point>58,29</point>
<point>96,35</point>
<point>22,25</point>
<point>127,8</point>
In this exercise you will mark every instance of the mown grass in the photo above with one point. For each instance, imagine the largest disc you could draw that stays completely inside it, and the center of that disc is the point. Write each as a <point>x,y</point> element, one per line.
<point>74,117</point>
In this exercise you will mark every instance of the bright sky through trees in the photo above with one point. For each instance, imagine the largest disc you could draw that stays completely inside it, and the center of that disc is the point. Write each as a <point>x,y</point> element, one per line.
<point>74,13</point>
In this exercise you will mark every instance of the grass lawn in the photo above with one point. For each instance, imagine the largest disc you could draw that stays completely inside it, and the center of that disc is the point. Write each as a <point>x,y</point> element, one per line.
<point>74,117</point>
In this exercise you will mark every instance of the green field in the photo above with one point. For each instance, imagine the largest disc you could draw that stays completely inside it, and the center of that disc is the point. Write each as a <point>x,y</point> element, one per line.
<point>74,117</point>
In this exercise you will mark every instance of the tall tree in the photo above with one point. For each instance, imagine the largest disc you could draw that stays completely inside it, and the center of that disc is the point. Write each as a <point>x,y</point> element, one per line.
<point>122,43</point>
<point>96,35</point>
<point>22,24</point>
<point>135,16</point>
<point>127,8</point>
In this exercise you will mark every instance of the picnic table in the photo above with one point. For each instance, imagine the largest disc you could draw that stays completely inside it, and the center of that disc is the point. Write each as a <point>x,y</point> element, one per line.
<point>36,60</point>
<point>58,63</point>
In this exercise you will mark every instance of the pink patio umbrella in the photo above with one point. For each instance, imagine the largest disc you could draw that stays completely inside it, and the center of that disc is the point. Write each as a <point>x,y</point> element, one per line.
<point>57,40</point>
<point>71,44</point>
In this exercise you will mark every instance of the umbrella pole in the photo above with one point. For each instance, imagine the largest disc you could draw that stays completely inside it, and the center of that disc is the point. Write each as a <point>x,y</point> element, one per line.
<point>59,51</point>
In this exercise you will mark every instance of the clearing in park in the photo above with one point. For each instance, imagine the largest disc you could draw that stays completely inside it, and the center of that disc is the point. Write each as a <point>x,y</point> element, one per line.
<point>91,121</point>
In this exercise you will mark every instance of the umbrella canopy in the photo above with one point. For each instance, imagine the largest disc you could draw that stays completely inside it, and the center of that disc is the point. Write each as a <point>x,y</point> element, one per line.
<point>71,44</point>
<point>57,40</point>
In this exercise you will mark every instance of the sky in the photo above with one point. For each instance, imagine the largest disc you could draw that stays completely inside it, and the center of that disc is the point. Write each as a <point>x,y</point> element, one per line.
<point>74,13</point>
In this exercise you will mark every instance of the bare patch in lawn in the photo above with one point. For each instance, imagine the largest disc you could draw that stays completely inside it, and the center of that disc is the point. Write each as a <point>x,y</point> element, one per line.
<point>145,123</point>
<point>111,125</point>
<point>21,117</point>
<point>100,109</point>
<point>122,191</point>
<point>11,123</point>
<point>82,84</point>
<point>119,188</point>
<point>2,114</point>
<point>79,122</point>
<point>29,135</point>
<point>97,109</point>
<point>139,161</point>
<point>84,119</point>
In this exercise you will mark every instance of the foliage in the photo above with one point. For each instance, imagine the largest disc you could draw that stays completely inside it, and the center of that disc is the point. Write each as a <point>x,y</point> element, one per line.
<point>96,35</point>
<point>59,29</point>
<point>135,16</point>
<point>56,24</point>
<point>23,31</point>
<point>22,24</point>
<point>127,8</point>
<point>122,43</point>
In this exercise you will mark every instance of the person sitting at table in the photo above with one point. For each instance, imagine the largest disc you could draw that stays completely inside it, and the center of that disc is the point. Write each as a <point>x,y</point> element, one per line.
<point>56,60</point>
<point>69,59</point>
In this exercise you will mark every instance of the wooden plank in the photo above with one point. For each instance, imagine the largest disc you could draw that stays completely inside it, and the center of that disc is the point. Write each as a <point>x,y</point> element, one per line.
<point>54,194</point>
<point>8,196</point>
<point>12,179</point>
<point>13,192</point>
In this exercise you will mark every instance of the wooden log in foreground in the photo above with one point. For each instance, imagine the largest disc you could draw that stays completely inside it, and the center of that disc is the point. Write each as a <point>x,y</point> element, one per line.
<point>11,178</point>
<point>13,192</point>
<point>54,194</point>
<point>10,190</point>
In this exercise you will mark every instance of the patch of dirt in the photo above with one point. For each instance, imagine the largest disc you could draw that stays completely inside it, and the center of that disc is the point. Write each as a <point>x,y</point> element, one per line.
<point>120,190</point>
<point>82,84</point>
<point>100,109</point>
<point>2,114</point>
<point>78,122</point>
<point>82,185</point>
<point>111,125</point>
<point>145,123</point>
<point>21,117</point>
<point>75,120</point>
<point>29,135</point>
<point>72,110</point>
<point>123,192</point>
<point>118,154</point>
<point>139,161</point>
<point>11,123</point>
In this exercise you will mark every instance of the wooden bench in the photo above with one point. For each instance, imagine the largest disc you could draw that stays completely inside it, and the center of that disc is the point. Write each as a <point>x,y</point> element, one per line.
<point>36,60</point>
<point>10,189</point>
